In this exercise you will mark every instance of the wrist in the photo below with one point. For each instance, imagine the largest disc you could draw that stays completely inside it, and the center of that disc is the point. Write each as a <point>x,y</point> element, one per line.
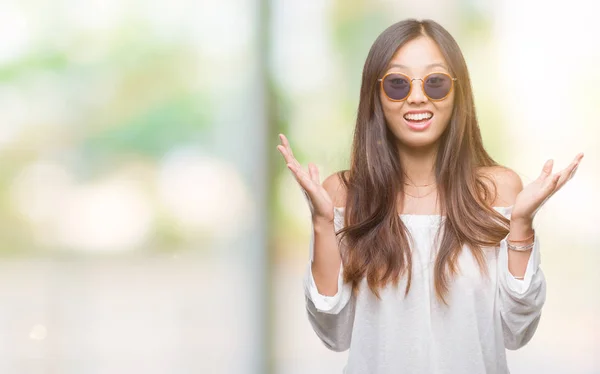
<point>322,224</point>
<point>520,228</point>
<point>522,223</point>
<point>524,220</point>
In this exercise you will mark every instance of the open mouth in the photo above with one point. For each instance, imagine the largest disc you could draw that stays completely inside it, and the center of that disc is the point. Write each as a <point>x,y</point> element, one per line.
<point>418,118</point>
<point>418,121</point>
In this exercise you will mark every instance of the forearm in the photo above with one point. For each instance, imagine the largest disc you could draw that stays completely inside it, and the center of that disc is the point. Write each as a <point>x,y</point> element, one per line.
<point>521,301</point>
<point>326,258</point>
<point>517,260</point>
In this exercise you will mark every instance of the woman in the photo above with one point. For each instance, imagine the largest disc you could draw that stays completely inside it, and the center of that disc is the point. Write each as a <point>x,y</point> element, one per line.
<point>423,256</point>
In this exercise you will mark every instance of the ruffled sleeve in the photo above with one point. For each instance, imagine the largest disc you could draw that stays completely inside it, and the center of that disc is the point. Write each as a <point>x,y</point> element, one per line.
<point>521,301</point>
<point>331,317</point>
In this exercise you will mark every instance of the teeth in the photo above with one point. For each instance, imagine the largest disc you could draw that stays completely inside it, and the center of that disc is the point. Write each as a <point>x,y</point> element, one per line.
<point>418,117</point>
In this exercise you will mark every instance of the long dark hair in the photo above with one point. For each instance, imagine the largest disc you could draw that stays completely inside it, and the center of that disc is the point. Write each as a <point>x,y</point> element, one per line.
<point>375,237</point>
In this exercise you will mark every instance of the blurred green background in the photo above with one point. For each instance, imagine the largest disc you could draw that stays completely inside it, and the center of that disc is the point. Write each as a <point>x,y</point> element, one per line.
<point>148,222</point>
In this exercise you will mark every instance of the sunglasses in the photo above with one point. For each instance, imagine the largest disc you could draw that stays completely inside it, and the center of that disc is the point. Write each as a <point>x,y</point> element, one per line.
<point>436,86</point>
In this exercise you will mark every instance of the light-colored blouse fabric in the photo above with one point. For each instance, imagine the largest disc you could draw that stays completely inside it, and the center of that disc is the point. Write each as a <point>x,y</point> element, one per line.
<point>417,333</point>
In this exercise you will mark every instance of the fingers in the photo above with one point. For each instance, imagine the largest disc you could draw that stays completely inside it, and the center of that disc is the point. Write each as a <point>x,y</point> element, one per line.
<point>547,169</point>
<point>305,179</point>
<point>286,151</point>
<point>302,177</point>
<point>573,173</point>
<point>314,173</point>
<point>578,159</point>
<point>551,186</point>
<point>286,144</point>
<point>559,179</point>
<point>568,172</point>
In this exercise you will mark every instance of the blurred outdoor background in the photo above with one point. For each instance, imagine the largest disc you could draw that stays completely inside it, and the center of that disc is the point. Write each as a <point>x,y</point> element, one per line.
<point>148,223</point>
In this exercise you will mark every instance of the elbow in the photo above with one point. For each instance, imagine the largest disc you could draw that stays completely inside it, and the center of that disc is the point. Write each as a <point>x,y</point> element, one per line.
<point>334,330</point>
<point>514,344</point>
<point>519,339</point>
<point>336,338</point>
<point>339,346</point>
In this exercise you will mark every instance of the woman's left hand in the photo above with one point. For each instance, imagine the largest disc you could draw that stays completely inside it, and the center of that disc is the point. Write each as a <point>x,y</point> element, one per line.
<point>534,195</point>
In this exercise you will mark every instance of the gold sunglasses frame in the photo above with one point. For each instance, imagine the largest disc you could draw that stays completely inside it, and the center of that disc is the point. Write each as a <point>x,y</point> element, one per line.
<point>380,80</point>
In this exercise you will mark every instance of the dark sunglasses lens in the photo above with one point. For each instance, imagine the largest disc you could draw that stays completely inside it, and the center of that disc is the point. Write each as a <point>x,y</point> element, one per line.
<point>396,86</point>
<point>437,86</point>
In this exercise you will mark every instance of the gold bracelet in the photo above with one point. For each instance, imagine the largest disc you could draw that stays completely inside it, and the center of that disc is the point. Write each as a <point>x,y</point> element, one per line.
<point>523,240</point>
<point>520,248</point>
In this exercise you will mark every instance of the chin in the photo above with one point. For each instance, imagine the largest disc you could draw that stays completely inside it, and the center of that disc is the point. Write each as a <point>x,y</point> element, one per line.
<point>419,142</point>
<point>423,139</point>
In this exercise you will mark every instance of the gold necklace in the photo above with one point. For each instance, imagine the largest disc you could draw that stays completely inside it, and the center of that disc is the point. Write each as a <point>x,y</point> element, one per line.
<point>418,197</point>
<point>421,185</point>
<point>414,185</point>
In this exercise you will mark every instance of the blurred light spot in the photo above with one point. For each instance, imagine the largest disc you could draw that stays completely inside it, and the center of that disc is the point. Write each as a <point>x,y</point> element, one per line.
<point>40,190</point>
<point>223,28</point>
<point>14,110</point>
<point>15,31</point>
<point>94,15</point>
<point>46,91</point>
<point>38,332</point>
<point>111,215</point>
<point>305,51</point>
<point>202,193</point>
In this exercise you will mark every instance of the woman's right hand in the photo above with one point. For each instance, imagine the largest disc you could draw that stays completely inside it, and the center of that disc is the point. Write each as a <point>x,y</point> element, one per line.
<point>319,201</point>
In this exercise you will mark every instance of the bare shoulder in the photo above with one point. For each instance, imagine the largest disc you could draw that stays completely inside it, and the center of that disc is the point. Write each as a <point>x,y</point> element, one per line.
<point>503,182</point>
<point>336,188</point>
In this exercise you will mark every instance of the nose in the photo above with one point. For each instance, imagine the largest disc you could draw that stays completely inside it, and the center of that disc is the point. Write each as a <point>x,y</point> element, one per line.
<point>417,96</point>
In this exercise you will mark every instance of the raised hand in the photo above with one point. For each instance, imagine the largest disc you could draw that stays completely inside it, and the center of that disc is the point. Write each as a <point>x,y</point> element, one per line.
<point>534,195</point>
<point>319,201</point>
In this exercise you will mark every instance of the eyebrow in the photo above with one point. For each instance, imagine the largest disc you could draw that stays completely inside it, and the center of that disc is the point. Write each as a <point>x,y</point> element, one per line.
<point>436,64</point>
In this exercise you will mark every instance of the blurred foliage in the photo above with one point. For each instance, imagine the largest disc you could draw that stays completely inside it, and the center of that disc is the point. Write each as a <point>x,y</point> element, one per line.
<point>152,132</point>
<point>128,96</point>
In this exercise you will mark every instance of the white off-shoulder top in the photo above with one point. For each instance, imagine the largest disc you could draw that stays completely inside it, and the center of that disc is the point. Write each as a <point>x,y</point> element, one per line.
<point>419,334</point>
